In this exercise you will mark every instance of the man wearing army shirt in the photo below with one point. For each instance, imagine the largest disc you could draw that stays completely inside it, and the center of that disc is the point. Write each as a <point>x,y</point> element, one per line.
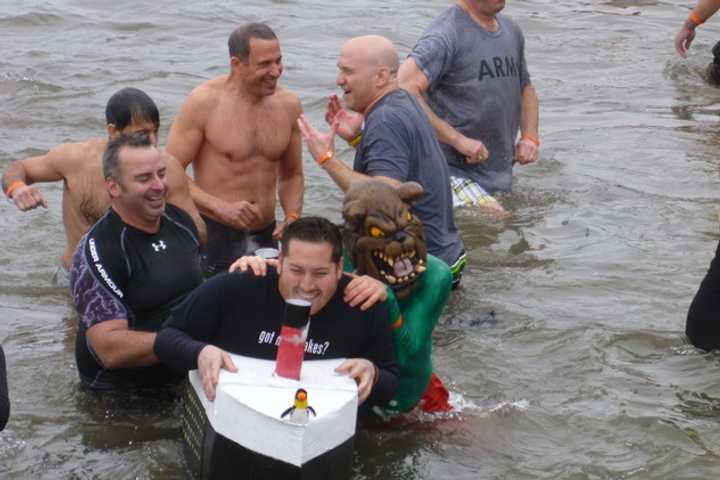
<point>240,135</point>
<point>137,262</point>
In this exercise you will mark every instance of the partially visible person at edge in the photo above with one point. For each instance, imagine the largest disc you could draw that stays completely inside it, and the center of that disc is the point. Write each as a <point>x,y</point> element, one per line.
<point>396,145</point>
<point>137,262</point>
<point>229,312</point>
<point>79,166</point>
<point>240,135</point>
<point>470,66</point>
<point>699,15</point>
<point>702,326</point>
<point>4,397</point>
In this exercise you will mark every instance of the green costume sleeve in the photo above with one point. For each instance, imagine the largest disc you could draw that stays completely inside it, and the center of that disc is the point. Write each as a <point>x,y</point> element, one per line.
<point>413,339</point>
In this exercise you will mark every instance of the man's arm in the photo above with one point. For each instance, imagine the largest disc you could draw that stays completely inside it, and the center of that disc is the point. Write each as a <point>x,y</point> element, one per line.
<point>413,80</point>
<point>702,12</point>
<point>119,347</point>
<point>322,148</point>
<point>526,150</point>
<point>179,195</point>
<point>291,181</point>
<point>51,167</point>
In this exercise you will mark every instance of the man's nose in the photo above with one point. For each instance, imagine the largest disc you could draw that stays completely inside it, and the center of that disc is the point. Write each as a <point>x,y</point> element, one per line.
<point>158,183</point>
<point>307,283</point>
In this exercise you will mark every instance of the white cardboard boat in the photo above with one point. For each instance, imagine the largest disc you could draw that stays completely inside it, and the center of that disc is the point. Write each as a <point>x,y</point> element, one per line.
<point>241,435</point>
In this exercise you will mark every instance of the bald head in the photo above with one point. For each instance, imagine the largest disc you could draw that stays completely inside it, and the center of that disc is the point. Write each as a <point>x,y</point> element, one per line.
<point>367,71</point>
<point>374,50</point>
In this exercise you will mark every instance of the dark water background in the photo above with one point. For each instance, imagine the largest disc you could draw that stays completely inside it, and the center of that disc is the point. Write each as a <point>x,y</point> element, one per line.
<point>565,345</point>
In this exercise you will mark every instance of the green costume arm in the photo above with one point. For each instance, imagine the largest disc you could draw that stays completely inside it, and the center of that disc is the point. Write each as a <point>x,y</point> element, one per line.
<point>413,340</point>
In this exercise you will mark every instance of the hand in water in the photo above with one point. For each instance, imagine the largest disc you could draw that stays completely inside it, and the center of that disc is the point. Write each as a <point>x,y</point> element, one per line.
<point>526,152</point>
<point>684,38</point>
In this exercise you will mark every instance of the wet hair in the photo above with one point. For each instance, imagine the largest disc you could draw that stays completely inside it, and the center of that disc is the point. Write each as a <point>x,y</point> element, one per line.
<point>131,104</point>
<point>239,41</point>
<point>111,157</point>
<point>315,230</point>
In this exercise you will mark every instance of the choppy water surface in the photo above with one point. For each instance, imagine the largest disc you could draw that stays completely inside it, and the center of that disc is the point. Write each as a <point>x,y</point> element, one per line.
<point>565,344</point>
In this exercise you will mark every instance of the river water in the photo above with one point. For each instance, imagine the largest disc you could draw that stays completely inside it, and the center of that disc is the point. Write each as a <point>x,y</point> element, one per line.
<point>564,349</point>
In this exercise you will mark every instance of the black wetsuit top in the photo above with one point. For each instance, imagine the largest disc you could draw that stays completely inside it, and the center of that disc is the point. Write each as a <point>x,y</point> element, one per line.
<point>4,398</point>
<point>120,272</point>
<point>703,320</point>
<point>242,314</point>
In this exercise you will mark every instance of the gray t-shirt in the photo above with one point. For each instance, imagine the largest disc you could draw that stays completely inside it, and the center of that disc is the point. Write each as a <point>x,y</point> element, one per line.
<point>399,142</point>
<point>475,80</point>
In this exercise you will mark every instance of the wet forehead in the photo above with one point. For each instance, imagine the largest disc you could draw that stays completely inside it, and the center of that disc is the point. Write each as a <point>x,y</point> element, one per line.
<point>140,125</point>
<point>137,161</point>
<point>352,57</point>
<point>309,255</point>
<point>263,50</point>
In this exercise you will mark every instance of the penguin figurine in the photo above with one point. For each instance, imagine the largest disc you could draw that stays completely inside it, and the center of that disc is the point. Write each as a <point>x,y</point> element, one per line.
<point>300,411</point>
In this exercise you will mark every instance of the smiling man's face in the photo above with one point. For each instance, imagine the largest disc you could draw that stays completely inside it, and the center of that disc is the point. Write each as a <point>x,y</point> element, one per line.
<point>308,272</point>
<point>356,77</point>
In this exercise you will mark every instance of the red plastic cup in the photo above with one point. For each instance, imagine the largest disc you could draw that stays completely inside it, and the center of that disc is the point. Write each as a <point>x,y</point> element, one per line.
<point>293,334</point>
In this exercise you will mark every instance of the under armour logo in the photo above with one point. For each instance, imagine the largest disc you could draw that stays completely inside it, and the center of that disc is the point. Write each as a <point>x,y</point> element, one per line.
<point>159,246</point>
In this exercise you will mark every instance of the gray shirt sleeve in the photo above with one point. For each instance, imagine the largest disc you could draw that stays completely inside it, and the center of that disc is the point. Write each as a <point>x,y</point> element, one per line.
<point>434,53</point>
<point>384,152</point>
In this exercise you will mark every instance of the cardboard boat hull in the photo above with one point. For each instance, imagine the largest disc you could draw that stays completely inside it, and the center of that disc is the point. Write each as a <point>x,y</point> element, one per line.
<point>212,455</point>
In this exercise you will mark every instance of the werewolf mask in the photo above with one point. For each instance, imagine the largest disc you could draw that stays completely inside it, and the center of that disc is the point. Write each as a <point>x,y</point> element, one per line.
<point>382,235</point>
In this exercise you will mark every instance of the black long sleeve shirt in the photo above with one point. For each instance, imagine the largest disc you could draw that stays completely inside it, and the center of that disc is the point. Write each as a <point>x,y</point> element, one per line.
<point>242,314</point>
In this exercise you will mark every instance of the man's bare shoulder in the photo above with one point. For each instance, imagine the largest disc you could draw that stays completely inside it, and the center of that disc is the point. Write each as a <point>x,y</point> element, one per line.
<point>208,92</point>
<point>289,100</point>
<point>73,156</point>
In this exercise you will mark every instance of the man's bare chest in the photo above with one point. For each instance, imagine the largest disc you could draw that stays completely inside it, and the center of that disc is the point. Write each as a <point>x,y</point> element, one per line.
<point>88,195</point>
<point>260,133</point>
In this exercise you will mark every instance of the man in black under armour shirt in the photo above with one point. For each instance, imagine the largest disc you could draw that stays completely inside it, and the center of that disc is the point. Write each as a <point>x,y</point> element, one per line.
<point>136,263</point>
<point>241,313</point>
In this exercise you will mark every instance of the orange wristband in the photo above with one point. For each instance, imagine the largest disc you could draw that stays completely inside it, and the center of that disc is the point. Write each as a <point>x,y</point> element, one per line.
<point>325,157</point>
<point>14,186</point>
<point>533,138</point>
<point>292,216</point>
<point>695,19</point>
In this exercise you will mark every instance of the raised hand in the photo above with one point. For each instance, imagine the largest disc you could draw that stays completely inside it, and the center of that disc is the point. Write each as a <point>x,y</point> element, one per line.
<point>349,123</point>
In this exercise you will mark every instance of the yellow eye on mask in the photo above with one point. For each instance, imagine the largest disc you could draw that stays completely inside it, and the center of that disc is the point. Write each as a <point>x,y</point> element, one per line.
<point>376,232</point>
<point>408,215</point>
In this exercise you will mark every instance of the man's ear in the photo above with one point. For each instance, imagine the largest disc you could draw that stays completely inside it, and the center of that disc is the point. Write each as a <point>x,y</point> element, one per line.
<point>112,130</point>
<point>279,264</point>
<point>112,187</point>
<point>340,264</point>
<point>237,64</point>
